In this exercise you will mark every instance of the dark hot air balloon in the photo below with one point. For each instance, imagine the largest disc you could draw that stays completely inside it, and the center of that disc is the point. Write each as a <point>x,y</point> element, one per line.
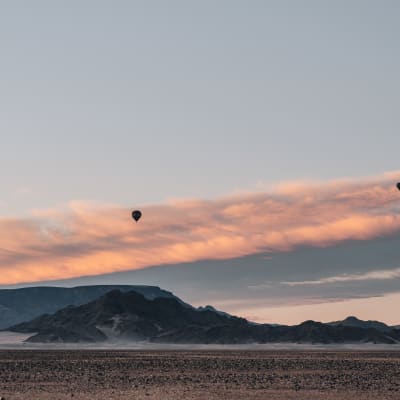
<point>136,215</point>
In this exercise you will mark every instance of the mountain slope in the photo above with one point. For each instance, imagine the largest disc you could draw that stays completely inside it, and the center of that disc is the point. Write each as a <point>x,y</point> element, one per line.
<point>358,323</point>
<point>122,315</point>
<point>19,305</point>
<point>130,316</point>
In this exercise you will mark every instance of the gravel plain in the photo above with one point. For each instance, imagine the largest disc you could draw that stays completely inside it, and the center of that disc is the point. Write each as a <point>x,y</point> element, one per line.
<point>229,374</point>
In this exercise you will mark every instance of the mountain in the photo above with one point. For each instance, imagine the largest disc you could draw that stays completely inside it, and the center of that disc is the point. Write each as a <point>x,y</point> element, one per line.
<point>19,305</point>
<point>358,323</point>
<point>129,315</point>
<point>318,332</point>
<point>123,315</point>
<point>211,308</point>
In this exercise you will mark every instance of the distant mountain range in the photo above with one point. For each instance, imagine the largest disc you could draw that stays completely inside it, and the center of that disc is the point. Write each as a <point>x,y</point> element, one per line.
<point>19,305</point>
<point>125,316</point>
<point>129,315</point>
<point>357,323</point>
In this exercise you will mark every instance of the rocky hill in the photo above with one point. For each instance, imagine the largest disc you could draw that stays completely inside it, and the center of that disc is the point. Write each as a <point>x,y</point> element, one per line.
<point>19,305</point>
<point>129,315</point>
<point>123,315</point>
<point>355,322</point>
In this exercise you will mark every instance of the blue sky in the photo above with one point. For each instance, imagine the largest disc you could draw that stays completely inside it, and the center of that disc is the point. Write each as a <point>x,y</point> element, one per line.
<point>136,102</point>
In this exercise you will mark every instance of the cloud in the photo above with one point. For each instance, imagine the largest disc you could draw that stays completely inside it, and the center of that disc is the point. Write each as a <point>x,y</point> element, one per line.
<point>381,308</point>
<point>23,191</point>
<point>368,276</point>
<point>90,239</point>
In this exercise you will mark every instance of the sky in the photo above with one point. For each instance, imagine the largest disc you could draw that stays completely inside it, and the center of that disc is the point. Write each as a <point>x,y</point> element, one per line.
<point>259,138</point>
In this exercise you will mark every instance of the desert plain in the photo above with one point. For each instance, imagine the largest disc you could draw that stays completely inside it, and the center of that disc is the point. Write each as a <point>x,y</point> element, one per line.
<point>199,374</point>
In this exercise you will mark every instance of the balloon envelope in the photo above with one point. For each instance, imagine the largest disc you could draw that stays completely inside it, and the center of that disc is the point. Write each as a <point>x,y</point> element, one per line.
<point>136,215</point>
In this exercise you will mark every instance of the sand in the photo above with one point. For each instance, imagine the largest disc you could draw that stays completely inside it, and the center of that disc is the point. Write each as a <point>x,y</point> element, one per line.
<point>107,374</point>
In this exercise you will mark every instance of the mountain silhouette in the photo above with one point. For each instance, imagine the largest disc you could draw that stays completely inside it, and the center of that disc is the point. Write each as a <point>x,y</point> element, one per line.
<point>119,315</point>
<point>19,305</point>
<point>355,322</point>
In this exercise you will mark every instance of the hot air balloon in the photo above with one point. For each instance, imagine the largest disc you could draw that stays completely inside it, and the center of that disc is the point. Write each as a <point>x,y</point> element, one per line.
<point>398,185</point>
<point>136,215</point>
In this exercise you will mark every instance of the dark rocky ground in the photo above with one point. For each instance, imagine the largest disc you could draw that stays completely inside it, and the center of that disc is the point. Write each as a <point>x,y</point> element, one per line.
<point>95,374</point>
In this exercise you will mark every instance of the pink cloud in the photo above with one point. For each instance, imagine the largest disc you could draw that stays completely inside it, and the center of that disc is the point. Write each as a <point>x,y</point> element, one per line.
<point>90,239</point>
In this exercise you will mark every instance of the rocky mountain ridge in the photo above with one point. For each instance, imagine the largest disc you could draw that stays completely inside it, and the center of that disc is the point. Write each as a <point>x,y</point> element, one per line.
<point>130,316</point>
<point>24,304</point>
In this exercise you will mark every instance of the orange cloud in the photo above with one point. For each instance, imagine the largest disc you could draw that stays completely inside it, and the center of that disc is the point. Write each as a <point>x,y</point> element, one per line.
<point>88,239</point>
